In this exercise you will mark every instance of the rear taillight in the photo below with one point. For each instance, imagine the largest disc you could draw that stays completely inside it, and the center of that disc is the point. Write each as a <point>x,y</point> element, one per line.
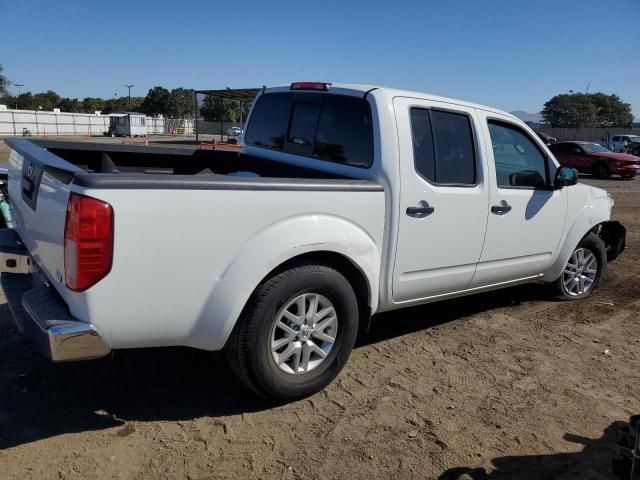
<point>88,241</point>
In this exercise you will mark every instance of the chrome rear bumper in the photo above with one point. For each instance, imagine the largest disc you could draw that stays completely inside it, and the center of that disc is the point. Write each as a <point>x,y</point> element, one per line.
<point>42,314</point>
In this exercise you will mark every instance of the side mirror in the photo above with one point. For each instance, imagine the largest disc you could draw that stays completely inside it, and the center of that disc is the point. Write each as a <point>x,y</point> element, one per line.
<point>565,177</point>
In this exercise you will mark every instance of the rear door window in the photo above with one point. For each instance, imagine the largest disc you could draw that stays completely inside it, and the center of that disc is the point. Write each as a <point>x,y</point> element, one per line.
<point>333,128</point>
<point>443,147</point>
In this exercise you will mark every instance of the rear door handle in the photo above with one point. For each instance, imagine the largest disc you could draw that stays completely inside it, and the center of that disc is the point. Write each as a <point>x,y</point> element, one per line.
<point>420,212</point>
<point>501,209</point>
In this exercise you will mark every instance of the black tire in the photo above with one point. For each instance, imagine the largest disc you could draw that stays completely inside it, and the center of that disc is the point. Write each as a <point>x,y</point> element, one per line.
<point>593,244</point>
<point>601,170</point>
<point>248,349</point>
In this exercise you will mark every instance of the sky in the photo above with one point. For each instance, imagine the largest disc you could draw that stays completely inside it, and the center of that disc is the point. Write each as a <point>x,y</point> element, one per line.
<point>510,54</point>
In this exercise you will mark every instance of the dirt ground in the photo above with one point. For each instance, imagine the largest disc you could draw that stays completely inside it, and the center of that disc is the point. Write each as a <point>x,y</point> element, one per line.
<point>510,384</point>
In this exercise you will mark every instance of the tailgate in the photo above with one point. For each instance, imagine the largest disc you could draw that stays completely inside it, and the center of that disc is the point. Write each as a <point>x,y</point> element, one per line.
<point>38,194</point>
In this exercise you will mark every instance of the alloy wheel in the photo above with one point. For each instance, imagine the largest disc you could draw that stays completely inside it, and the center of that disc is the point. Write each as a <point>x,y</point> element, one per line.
<point>580,272</point>
<point>303,333</point>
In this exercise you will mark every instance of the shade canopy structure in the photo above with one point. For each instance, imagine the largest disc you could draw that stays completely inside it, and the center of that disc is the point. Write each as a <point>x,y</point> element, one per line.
<point>242,95</point>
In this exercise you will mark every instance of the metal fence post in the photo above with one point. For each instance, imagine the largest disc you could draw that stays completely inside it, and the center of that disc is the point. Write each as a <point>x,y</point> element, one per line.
<point>13,116</point>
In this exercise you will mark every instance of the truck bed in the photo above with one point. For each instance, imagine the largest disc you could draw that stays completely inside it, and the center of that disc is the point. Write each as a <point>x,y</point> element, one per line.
<point>101,165</point>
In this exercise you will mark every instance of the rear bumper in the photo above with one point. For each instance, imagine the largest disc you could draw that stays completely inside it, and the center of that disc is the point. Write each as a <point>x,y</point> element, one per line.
<point>40,313</point>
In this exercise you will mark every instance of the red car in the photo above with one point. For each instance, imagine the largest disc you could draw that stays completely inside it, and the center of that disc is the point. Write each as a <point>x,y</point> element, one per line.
<point>589,157</point>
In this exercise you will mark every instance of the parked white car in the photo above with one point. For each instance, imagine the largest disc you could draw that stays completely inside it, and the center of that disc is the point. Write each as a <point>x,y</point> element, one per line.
<point>618,143</point>
<point>345,201</point>
<point>234,131</point>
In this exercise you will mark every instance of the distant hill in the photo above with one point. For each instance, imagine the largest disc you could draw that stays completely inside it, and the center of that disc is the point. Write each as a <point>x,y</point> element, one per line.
<point>528,117</point>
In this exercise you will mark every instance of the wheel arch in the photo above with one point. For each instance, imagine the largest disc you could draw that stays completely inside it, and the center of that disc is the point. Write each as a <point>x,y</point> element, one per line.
<point>613,234</point>
<point>588,220</point>
<point>328,240</point>
<point>342,264</point>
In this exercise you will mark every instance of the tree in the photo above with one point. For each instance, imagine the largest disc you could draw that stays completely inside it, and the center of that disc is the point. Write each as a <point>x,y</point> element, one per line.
<point>24,101</point>
<point>611,111</point>
<point>587,110</point>
<point>69,105</point>
<point>157,101</point>
<point>121,104</point>
<point>46,100</point>
<point>181,104</point>
<point>4,84</point>
<point>570,111</point>
<point>213,108</point>
<point>91,104</point>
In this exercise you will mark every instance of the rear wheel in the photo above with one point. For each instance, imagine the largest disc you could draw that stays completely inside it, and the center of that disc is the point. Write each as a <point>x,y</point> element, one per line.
<point>582,273</point>
<point>296,333</point>
<point>601,170</point>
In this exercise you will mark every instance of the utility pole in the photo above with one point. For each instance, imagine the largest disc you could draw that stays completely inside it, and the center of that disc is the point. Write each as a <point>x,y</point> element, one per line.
<point>19,85</point>
<point>129,87</point>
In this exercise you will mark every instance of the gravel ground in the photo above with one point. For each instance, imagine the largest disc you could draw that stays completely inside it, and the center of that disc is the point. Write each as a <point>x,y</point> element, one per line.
<point>510,384</point>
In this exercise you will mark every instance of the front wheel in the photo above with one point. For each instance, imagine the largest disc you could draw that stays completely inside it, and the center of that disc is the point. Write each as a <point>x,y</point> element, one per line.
<point>295,334</point>
<point>601,170</point>
<point>582,273</point>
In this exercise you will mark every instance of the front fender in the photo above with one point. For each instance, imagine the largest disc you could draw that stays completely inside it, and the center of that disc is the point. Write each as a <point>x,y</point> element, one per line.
<point>270,248</point>
<point>591,214</point>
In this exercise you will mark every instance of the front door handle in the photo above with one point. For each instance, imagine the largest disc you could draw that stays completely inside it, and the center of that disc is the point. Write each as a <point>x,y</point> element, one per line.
<point>501,208</point>
<point>420,212</point>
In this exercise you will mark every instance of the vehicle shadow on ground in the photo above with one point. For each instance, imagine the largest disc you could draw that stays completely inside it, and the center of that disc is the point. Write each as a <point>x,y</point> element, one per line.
<point>409,320</point>
<point>598,459</point>
<point>39,399</point>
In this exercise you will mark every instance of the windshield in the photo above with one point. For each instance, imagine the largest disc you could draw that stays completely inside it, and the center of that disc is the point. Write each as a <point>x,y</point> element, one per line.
<point>594,148</point>
<point>634,138</point>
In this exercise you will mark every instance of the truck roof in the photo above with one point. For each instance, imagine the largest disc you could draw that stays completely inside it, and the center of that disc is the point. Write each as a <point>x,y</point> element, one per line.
<point>357,89</point>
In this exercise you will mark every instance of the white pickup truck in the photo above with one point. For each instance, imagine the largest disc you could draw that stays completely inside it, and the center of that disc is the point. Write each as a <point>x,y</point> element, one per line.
<point>346,200</point>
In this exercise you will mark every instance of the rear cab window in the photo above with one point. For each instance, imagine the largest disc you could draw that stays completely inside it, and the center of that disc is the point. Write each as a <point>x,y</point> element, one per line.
<point>323,126</point>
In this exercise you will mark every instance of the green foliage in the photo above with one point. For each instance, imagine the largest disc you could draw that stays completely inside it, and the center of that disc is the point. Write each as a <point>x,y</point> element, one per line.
<point>570,110</point>
<point>587,110</point>
<point>4,83</point>
<point>72,105</point>
<point>121,104</point>
<point>92,104</point>
<point>181,103</point>
<point>46,101</point>
<point>611,110</point>
<point>216,109</point>
<point>157,101</point>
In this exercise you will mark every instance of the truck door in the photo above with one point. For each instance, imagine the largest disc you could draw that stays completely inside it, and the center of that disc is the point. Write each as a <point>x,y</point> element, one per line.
<point>527,214</point>
<point>443,199</point>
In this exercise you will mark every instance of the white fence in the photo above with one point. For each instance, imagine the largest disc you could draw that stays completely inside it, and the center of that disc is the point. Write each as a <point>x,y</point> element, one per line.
<point>13,122</point>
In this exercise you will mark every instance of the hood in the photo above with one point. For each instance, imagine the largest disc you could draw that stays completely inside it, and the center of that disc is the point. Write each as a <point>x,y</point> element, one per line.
<point>621,157</point>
